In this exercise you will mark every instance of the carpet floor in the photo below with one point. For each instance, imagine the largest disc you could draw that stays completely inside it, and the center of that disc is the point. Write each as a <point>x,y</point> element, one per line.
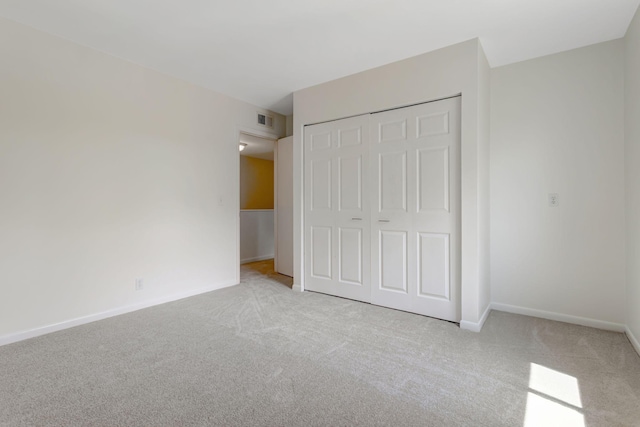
<point>258,354</point>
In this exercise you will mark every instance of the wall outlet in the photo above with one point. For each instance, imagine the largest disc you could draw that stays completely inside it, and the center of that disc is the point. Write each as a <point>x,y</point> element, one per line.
<point>139,284</point>
<point>554,200</point>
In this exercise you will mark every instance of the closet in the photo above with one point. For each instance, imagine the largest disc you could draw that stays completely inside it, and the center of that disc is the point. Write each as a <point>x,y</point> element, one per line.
<point>382,208</point>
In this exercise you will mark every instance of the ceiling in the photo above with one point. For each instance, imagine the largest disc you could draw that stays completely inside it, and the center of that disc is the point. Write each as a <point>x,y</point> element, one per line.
<point>260,148</point>
<point>261,51</point>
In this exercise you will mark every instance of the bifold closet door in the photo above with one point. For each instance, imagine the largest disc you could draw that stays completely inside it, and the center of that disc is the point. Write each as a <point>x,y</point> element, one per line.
<point>337,210</point>
<point>415,215</point>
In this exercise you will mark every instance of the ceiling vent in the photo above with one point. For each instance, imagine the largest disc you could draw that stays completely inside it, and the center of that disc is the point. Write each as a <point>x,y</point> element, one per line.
<point>265,120</point>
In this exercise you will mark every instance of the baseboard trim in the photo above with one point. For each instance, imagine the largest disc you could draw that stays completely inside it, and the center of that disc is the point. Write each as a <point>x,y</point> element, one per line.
<point>43,330</point>
<point>476,326</point>
<point>256,259</point>
<point>296,287</point>
<point>583,321</point>
<point>632,338</point>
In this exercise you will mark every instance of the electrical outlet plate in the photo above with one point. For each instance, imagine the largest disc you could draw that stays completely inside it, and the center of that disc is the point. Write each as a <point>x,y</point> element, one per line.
<point>139,284</point>
<point>554,200</point>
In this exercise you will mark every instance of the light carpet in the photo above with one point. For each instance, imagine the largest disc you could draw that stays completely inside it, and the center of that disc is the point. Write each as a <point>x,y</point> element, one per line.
<point>259,354</point>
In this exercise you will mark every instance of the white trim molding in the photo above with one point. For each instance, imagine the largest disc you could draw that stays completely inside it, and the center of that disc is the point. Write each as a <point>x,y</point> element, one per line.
<point>43,330</point>
<point>476,326</point>
<point>567,318</point>
<point>632,338</point>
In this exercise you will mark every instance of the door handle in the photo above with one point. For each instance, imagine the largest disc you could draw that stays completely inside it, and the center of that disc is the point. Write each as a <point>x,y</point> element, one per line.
<point>384,220</point>
<point>356,219</point>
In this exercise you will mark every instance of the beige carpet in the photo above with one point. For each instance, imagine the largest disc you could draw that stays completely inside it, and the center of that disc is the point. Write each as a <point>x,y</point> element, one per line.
<point>259,354</point>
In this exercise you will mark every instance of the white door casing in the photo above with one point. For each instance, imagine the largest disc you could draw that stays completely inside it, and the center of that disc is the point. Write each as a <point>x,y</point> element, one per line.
<point>382,208</point>
<point>337,210</point>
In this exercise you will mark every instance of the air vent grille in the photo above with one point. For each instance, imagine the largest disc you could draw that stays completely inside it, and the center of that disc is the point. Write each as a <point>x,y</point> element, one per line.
<point>265,120</point>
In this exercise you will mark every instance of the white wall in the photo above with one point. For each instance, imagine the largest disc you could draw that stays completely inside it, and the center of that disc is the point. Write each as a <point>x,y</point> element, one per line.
<point>109,172</point>
<point>557,127</point>
<point>289,125</point>
<point>431,76</point>
<point>256,235</point>
<point>256,183</point>
<point>632,168</point>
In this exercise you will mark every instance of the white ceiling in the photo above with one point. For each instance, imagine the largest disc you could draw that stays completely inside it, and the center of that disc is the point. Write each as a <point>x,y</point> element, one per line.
<point>260,148</point>
<point>261,51</point>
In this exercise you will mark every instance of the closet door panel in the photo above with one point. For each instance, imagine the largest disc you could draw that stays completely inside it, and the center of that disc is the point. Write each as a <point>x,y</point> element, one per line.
<point>351,255</point>
<point>433,179</point>
<point>434,266</point>
<point>336,158</point>
<point>392,182</point>
<point>417,197</point>
<point>393,262</point>
<point>320,185</point>
<point>321,252</point>
<point>350,183</point>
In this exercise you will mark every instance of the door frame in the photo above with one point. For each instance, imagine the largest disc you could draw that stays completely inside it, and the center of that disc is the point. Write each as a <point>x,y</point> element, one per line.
<point>259,134</point>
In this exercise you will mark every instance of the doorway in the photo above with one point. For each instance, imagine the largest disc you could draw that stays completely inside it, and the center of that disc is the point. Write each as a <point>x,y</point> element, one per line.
<point>256,198</point>
<point>257,222</point>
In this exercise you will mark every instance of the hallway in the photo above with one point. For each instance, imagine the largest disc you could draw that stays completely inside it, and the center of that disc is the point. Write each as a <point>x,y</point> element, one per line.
<point>261,270</point>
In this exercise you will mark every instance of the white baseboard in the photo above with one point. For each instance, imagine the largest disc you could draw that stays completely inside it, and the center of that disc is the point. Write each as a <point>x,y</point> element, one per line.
<point>296,287</point>
<point>632,338</point>
<point>476,326</point>
<point>584,321</point>
<point>20,336</point>
<point>257,258</point>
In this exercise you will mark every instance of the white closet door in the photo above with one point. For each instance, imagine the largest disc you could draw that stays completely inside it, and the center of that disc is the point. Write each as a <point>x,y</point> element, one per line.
<point>337,211</point>
<point>415,209</point>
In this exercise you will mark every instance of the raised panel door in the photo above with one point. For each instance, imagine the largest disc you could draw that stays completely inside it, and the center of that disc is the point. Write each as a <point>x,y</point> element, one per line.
<point>415,209</point>
<point>337,261</point>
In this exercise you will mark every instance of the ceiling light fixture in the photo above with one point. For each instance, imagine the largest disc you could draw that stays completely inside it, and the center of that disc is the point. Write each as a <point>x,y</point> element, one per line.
<point>242,146</point>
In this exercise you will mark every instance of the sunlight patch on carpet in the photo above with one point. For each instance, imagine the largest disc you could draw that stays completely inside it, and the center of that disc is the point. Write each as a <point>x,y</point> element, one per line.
<point>554,399</point>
